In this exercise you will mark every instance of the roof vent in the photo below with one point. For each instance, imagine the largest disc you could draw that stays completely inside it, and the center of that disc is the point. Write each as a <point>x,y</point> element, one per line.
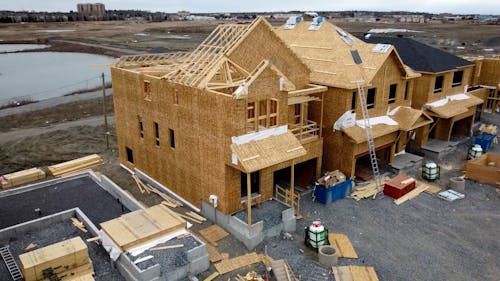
<point>292,21</point>
<point>381,48</point>
<point>317,23</point>
<point>344,36</point>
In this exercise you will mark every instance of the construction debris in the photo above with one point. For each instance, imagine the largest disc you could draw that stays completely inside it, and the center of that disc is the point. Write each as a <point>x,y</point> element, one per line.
<point>282,271</point>
<point>78,224</point>
<point>354,273</point>
<point>399,186</point>
<point>450,195</point>
<point>30,246</point>
<point>421,187</point>
<point>343,245</point>
<point>250,276</point>
<point>147,188</point>
<point>212,276</point>
<point>76,165</point>
<point>213,234</point>
<point>368,190</point>
<point>331,178</point>
<point>21,177</point>
<point>93,239</point>
<point>484,169</point>
<point>238,262</point>
<point>166,247</point>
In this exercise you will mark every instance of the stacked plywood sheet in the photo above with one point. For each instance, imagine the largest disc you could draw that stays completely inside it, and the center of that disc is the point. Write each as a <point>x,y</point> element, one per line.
<point>75,165</point>
<point>142,226</point>
<point>21,177</point>
<point>66,260</point>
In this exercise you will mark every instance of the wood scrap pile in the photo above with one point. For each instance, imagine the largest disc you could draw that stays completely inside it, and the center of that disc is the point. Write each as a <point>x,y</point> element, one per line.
<point>490,129</point>
<point>76,165</point>
<point>367,191</point>
<point>332,178</point>
<point>229,265</point>
<point>78,224</point>
<point>147,188</point>
<point>191,216</point>
<point>21,177</point>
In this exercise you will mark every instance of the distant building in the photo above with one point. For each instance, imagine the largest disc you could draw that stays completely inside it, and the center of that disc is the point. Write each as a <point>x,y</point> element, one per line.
<point>88,11</point>
<point>183,14</point>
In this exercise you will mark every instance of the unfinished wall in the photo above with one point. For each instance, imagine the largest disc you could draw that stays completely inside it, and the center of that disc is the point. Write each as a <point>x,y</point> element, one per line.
<point>262,44</point>
<point>486,72</point>
<point>424,86</point>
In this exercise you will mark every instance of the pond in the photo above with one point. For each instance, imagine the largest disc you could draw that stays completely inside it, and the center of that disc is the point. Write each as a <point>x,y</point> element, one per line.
<point>20,47</point>
<point>43,75</point>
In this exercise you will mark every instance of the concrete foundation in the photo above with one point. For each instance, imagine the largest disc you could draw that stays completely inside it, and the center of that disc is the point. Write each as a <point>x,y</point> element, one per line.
<point>250,236</point>
<point>436,149</point>
<point>406,162</point>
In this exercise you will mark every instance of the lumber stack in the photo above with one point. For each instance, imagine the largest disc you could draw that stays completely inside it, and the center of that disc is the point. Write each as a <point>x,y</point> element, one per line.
<point>75,165</point>
<point>368,190</point>
<point>66,260</point>
<point>21,177</point>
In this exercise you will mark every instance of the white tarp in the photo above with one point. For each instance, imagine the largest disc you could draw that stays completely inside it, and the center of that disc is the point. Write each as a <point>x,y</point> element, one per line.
<point>347,120</point>
<point>140,249</point>
<point>378,120</point>
<point>260,135</point>
<point>444,101</point>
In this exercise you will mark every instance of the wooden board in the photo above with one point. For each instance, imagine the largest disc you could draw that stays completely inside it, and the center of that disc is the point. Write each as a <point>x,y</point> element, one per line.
<point>22,177</point>
<point>211,276</point>
<point>343,245</point>
<point>433,189</point>
<point>139,227</point>
<point>214,255</point>
<point>412,194</point>
<point>75,165</point>
<point>213,234</point>
<point>355,273</point>
<point>238,262</point>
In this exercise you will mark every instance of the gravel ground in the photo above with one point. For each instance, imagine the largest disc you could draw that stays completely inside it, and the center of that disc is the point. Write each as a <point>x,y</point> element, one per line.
<point>84,193</point>
<point>269,212</point>
<point>168,259</point>
<point>56,233</point>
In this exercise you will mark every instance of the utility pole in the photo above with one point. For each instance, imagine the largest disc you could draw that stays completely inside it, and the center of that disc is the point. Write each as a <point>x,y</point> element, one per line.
<point>104,111</point>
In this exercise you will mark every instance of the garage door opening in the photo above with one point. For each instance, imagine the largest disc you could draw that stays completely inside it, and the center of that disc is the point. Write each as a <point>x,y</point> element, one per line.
<point>363,167</point>
<point>461,128</point>
<point>304,175</point>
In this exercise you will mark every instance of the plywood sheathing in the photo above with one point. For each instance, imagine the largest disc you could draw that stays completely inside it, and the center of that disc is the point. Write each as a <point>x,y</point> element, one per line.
<point>453,108</point>
<point>213,234</point>
<point>343,245</point>
<point>355,273</point>
<point>358,134</point>
<point>203,121</point>
<point>142,226</point>
<point>238,262</point>
<point>411,119</point>
<point>329,57</point>
<point>260,154</point>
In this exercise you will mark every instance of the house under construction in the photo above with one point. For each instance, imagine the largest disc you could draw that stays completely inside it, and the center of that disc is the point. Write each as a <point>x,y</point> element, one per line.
<point>222,122</point>
<point>347,65</point>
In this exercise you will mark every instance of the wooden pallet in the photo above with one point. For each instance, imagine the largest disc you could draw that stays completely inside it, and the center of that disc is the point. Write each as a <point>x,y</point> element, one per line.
<point>213,234</point>
<point>282,271</point>
<point>343,245</point>
<point>238,262</point>
<point>355,273</point>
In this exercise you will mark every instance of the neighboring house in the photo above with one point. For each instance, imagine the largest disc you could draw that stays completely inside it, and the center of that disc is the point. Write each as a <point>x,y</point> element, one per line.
<point>487,75</point>
<point>338,60</point>
<point>443,90</point>
<point>227,119</point>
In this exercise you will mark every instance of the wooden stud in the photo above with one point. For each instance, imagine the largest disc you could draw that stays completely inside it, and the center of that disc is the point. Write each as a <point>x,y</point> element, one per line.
<point>249,201</point>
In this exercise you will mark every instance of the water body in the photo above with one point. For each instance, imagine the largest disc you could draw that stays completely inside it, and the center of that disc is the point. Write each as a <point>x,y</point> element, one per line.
<point>43,75</point>
<point>20,47</point>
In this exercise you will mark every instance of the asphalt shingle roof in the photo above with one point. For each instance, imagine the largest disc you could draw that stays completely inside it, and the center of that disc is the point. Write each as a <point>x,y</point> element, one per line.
<point>421,57</point>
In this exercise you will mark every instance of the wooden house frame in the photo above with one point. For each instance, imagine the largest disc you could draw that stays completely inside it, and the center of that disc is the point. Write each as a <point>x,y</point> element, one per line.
<point>487,75</point>
<point>338,61</point>
<point>220,120</point>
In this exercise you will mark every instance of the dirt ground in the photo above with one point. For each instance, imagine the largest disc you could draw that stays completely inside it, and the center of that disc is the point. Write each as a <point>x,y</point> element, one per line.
<point>465,39</point>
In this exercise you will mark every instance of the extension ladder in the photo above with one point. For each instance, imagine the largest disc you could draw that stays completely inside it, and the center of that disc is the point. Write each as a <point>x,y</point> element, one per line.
<point>11,264</point>
<point>369,136</point>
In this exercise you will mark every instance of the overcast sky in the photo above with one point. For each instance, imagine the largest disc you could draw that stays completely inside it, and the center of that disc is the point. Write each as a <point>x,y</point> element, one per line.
<point>432,6</point>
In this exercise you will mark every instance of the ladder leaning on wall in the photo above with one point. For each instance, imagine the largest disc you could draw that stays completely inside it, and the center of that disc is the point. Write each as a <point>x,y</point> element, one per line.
<point>369,137</point>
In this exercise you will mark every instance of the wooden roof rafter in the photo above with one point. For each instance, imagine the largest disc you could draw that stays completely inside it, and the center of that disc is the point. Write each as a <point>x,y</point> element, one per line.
<point>208,54</point>
<point>228,74</point>
<point>149,60</point>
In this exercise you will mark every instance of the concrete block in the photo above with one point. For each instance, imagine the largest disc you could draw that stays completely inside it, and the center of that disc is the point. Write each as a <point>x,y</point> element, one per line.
<point>199,265</point>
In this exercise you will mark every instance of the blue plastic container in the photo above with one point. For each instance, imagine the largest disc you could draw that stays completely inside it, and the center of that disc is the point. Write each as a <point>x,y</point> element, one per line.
<point>485,140</point>
<point>333,193</point>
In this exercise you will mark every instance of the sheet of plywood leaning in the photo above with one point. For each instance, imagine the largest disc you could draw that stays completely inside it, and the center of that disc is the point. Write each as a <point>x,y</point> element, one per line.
<point>67,259</point>
<point>21,177</point>
<point>142,226</point>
